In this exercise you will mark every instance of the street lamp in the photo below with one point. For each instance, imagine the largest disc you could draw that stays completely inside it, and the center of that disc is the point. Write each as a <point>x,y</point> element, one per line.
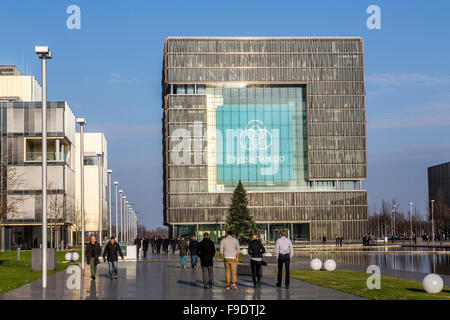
<point>410,218</point>
<point>123,222</point>
<point>109,201</point>
<point>117,221</point>
<point>393,221</point>
<point>121,216</point>
<point>126,212</point>
<point>378,215</point>
<point>44,53</point>
<point>100,196</point>
<point>82,123</point>
<point>432,220</point>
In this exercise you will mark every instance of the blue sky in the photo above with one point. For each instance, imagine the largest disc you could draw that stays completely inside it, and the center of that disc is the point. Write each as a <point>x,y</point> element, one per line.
<point>110,73</point>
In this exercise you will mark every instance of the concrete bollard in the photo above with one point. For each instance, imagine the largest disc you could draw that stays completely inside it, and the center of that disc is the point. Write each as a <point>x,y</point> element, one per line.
<point>18,254</point>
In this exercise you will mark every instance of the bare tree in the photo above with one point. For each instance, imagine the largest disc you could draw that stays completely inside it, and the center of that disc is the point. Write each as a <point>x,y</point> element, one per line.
<point>56,212</point>
<point>77,223</point>
<point>10,180</point>
<point>441,212</point>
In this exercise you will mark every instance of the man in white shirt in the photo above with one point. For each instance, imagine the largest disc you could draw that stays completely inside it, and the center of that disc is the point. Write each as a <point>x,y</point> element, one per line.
<point>284,251</point>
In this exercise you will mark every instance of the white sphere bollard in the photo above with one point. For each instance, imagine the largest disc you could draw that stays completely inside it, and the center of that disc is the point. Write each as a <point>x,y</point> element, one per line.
<point>433,283</point>
<point>244,251</point>
<point>68,256</point>
<point>316,264</point>
<point>329,265</point>
<point>75,256</point>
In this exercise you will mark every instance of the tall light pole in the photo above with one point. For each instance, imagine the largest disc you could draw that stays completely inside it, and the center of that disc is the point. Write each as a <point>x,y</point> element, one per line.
<point>393,220</point>
<point>127,208</point>
<point>44,53</point>
<point>109,201</point>
<point>82,123</point>
<point>123,227</point>
<point>378,215</point>
<point>117,221</point>
<point>410,218</point>
<point>121,216</point>
<point>432,220</point>
<point>100,196</point>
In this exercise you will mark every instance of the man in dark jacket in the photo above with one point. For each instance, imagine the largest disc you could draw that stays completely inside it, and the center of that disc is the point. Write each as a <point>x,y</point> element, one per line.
<point>110,252</point>
<point>206,251</point>
<point>173,244</point>
<point>166,244</point>
<point>144,246</point>
<point>193,251</point>
<point>183,247</point>
<point>137,243</point>
<point>93,250</point>
<point>153,243</point>
<point>256,250</point>
<point>158,244</point>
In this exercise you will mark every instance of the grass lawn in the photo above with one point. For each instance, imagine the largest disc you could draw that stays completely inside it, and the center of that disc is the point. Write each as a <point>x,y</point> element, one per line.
<point>356,283</point>
<point>14,274</point>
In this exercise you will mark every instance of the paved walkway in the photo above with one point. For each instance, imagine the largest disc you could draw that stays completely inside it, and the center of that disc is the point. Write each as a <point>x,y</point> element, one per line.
<point>160,277</point>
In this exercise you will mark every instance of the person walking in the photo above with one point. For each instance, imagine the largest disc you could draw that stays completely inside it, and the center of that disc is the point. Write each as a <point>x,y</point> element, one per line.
<point>173,244</point>
<point>137,243</point>
<point>206,251</point>
<point>144,246</point>
<point>256,250</point>
<point>166,244</point>
<point>159,242</point>
<point>229,251</point>
<point>284,251</point>
<point>93,250</point>
<point>153,244</point>
<point>183,247</point>
<point>112,249</point>
<point>193,252</point>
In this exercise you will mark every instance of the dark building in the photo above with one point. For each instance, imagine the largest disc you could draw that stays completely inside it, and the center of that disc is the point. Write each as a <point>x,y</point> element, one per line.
<point>439,191</point>
<point>286,116</point>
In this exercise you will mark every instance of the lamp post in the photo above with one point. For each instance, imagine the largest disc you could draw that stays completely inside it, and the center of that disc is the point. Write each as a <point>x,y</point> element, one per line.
<point>123,229</point>
<point>82,123</point>
<point>410,218</point>
<point>121,216</point>
<point>432,220</point>
<point>393,221</point>
<point>44,53</point>
<point>109,201</point>
<point>378,215</point>
<point>127,208</point>
<point>100,196</point>
<point>117,221</point>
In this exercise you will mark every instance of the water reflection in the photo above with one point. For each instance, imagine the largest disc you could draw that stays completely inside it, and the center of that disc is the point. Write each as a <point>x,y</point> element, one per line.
<point>424,260</point>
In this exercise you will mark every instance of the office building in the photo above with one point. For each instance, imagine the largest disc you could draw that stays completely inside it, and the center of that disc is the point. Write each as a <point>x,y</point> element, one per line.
<point>286,116</point>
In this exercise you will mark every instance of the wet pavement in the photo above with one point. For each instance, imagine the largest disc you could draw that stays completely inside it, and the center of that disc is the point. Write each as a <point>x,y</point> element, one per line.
<point>161,277</point>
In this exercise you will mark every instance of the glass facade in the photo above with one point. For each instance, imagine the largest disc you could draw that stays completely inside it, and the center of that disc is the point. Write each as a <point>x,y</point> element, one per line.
<point>20,167</point>
<point>286,116</point>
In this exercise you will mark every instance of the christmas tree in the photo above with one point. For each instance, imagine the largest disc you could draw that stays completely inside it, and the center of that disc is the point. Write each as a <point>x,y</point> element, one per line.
<point>239,219</point>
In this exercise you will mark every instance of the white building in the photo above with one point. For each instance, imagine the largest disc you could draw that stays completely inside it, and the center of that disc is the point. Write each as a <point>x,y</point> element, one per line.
<point>95,182</point>
<point>14,86</point>
<point>21,168</point>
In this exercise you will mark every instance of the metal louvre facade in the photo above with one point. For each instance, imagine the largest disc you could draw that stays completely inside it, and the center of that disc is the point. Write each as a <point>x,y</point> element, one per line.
<point>284,115</point>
